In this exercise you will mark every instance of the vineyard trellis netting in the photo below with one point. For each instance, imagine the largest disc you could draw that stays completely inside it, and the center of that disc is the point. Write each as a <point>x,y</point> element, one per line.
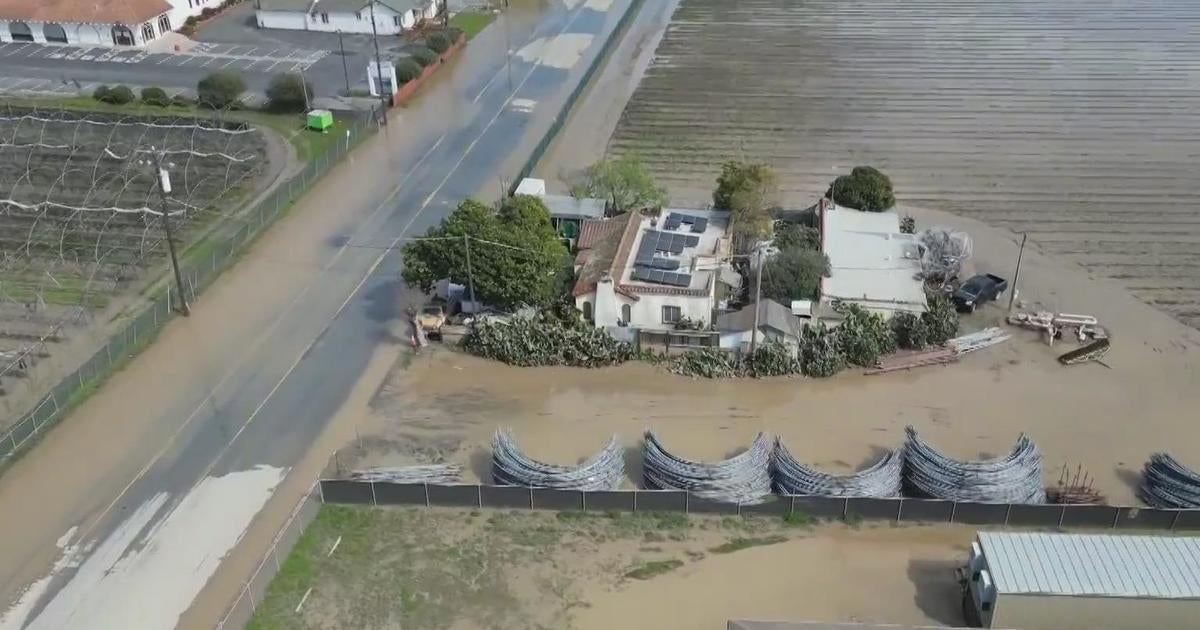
<point>1166,483</point>
<point>1014,478</point>
<point>744,478</point>
<point>512,467</point>
<point>81,214</point>
<point>882,479</point>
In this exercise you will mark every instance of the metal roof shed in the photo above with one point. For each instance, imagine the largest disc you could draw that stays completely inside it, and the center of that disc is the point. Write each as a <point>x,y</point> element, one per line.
<point>1066,581</point>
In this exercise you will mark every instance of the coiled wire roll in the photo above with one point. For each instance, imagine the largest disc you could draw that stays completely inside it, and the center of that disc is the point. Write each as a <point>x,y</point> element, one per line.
<point>1015,478</point>
<point>882,479</point>
<point>744,478</point>
<point>511,467</point>
<point>1166,483</point>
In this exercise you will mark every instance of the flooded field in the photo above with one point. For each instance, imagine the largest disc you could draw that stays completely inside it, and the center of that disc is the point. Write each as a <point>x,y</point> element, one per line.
<point>1077,122</point>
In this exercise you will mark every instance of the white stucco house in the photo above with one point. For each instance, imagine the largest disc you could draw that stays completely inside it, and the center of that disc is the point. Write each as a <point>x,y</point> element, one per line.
<point>651,272</point>
<point>391,17</point>
<point>871,263</point>
<point>117,23</point>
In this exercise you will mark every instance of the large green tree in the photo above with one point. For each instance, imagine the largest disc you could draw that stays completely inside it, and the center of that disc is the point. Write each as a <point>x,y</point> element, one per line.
<point>516,256</point>
<point>750,192</point>
<point>625,182</point>
<point>865,188</point>
<point>793,274</point>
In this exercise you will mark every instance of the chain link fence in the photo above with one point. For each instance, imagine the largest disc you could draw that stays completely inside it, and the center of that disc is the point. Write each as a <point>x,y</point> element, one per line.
<point>217,252</point>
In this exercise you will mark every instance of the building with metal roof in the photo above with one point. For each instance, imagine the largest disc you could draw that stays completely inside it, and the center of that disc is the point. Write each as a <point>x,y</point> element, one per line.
<point>1062,581</point>
<point>871,263</point>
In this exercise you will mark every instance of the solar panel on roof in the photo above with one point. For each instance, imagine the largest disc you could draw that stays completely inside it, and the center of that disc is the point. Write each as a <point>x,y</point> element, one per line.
<point>700,225</point>
<point>665,264</point>
<point>692,241</point>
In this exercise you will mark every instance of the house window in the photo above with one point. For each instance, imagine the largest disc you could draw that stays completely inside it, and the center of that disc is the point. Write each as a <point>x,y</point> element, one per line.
<point>396,21</point>
<point>358,16</point>
<point>147,32</point>
<point>324,18</point>
<point>626,313</point>
<point>671,314</point>
<point>587,311</point>
<point>164,23</point>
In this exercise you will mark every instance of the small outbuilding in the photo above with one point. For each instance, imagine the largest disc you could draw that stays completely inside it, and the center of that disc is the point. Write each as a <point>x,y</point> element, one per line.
<point>1052,581</point>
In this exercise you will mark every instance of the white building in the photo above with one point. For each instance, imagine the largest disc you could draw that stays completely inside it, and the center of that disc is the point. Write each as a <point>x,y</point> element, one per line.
<point>94,22</point>
<point>651,272</point>
<point>348,16</point>
<point>776,323</point>
<point>871,263</point>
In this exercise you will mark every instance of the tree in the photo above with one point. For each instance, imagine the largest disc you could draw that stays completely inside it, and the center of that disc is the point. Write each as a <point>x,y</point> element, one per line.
<point>624,182</point>
<point>865,188</point>
<point>749,192</point>
<point>422,55</point>
<point>864,336</point>
<point>940,318</point>
<point>155,96</point>
<point>516,257</point>
<point>796,236</point>
<point>793,274</point>
<point>438,42</point>
<point>220,89</point>
<point>288,92</point>
<point>407,70</point>
<point>820,355</point>
<point>910,331</point>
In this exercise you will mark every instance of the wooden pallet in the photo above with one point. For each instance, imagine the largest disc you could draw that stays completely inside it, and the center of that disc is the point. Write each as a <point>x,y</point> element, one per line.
<point>908,360</point>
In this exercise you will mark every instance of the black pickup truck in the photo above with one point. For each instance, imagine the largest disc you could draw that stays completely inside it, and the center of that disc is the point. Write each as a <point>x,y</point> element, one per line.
<point>977,290</point>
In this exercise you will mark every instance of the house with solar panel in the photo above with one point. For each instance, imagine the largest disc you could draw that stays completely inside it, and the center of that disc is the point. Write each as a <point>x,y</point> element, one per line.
<point>1056,581</point>
<point>651,272</point>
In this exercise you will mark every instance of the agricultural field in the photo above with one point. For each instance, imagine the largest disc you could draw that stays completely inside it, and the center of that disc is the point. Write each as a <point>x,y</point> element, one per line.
<point>1076,123</point>
<point>81,216</point>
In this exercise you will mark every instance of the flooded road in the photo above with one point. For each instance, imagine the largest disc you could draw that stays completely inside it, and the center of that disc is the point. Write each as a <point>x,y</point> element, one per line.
<point>142,492</point>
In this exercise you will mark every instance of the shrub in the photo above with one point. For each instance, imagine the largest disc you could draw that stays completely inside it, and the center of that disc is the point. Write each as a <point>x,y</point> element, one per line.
<point>207,12</point>
<point>118,95</point>
<point>189,25</point>
<point>407,70</point>
<point>438,42</point>
<point>908,225</point>
<point>794,274</point>
<point>705,362</point>
<point>864,336</point>
<point>541,340</point>
<point>453,33</point>
<point>288,92</point>
<point>865,188</point>
<point>155,96</point>
<point>183,100</point>
<point>796,236</point>
<point>940,318</point>
<point>220,89</point>
<point>910,331</point>
<point>423,56</point>
<point>771,358</point>
<point>820,355</point>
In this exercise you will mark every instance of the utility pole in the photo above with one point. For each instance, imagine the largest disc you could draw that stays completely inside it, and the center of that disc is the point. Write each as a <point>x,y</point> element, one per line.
<point>757,300</point>
<point>470,275</point>
<point>345,68</point>
<point>383,98</point>
<point>507,46</point>
<point>1012,295</point>
<point>164,188</point>
<point>304,87</point>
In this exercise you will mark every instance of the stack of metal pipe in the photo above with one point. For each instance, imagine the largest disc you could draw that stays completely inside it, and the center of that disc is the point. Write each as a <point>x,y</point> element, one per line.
<point>882,479</point>
<point>1015,478</point>
<point>744,478</point>
<point>430,473</point>
<point>1166,483</point>
<point>511,467</point>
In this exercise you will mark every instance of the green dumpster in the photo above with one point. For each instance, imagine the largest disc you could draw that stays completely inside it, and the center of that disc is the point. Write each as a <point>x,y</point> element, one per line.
<point>320,119</point>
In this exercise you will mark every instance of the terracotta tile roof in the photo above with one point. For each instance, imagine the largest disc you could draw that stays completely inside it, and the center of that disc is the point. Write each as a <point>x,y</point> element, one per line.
<point>85,11</point>
<point>595,230</point>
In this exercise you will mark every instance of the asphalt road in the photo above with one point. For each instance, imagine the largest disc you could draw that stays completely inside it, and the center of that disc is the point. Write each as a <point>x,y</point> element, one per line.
<point>136,558</point>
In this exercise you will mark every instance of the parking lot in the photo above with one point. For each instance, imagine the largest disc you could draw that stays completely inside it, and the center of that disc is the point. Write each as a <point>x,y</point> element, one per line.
<point>203,55</point>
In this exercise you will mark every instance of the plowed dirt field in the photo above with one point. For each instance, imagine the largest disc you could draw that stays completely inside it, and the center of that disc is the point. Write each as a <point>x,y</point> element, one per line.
<point>1075,121</point>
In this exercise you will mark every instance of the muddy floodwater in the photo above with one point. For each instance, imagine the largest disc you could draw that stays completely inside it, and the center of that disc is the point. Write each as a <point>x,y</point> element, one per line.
<point>1075,121</point>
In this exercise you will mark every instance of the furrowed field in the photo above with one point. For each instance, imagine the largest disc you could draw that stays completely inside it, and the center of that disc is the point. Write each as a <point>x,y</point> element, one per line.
<point>1075,122</point>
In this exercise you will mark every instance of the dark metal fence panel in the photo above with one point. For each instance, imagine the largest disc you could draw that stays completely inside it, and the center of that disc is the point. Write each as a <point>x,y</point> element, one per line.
<point>1089,516</point>
<point>772,506</point>
<point>1188,520</point>
<point>1144,518</point>
<point>1035,515</point>
<point>561,500</point>
<point>980,513</point>
<point>604,501</point>
<point>661,501</point>
<point>506,497</point>
<point>346,491</point>
<point>455,496</point>
<point>819,507</point>
<point>872,509</point>
<point>400,493</point>
<point>697,505</point>
<point>926,510</point>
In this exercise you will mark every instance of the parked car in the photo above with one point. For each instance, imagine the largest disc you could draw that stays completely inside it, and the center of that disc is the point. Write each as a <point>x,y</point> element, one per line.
<point>978,289</point>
